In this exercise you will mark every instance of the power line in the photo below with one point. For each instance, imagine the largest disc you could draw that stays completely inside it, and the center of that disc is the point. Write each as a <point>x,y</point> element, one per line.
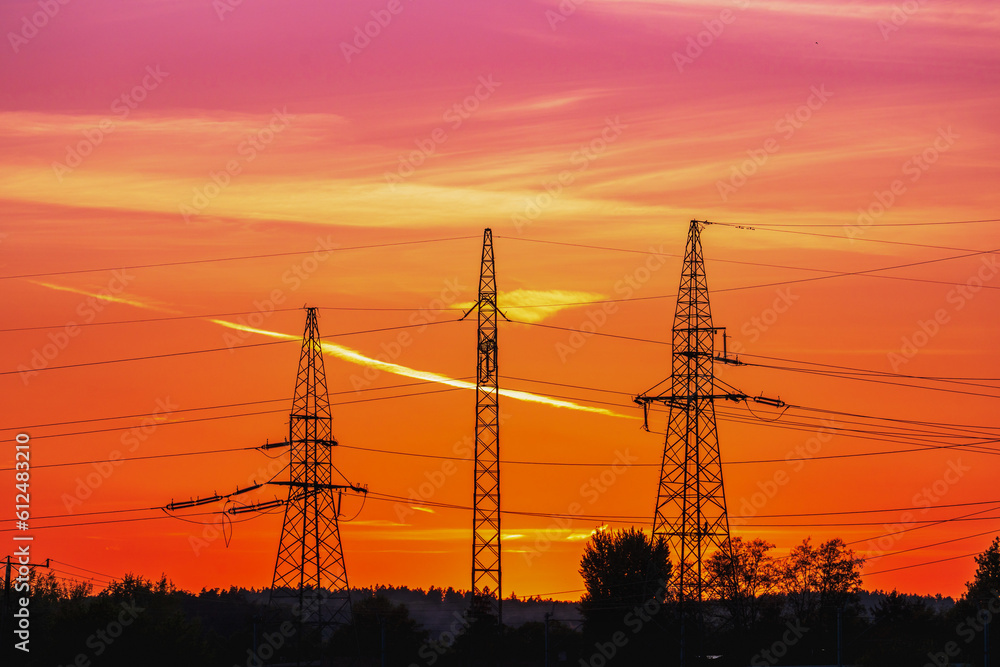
<point>956,380</point>
<point>765,228</point>
<point>207,407</point>
<point>581,517</point>
<point>936,544</point>
<point>935,378</point>
<point>108,521</point>
<point>97,513</point>
<point>627,518</point>
<point>757,516</point>
<point>841,376</point>
<point>834,273</point>
<point>210,316</point>
<point>146,357</point>
<point>930,562</point>
<point>904,437</point>
<point>232,259</point>
<point>971,516</point>
<point>139,458</point>
<point>74,575</point>
<point>881,224</point>
<point>244,414</point>
<point>145,320</point>
<point>895,438</point>
<point>214,349</point>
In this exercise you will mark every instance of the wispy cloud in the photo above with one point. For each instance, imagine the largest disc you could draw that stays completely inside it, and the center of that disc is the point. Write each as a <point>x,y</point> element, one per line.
<point>353,356</point>
<point>535,305</point>
<point>106,298</point>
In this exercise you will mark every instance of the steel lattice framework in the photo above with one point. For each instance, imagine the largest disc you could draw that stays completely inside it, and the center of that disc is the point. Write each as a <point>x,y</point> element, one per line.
<point>691,502</point>
<point>310,570</point>
<point>486,580</point>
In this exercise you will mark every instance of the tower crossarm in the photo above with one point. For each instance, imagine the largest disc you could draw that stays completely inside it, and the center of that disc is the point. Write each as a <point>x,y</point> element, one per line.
<point>332,487</point>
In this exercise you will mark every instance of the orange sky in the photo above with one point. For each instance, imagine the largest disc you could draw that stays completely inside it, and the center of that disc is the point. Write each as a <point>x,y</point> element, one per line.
<point>259,132</point>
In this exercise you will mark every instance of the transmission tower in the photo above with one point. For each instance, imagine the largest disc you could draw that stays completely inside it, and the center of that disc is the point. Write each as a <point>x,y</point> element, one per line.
<point>691,501</point>
<point>310,571</point>
<point>486,588</point>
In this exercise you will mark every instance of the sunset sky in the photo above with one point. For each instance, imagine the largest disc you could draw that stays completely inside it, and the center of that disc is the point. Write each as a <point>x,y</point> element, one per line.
<point>356,172</point>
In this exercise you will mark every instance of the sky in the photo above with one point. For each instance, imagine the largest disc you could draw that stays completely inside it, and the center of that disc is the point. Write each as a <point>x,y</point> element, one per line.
<point>349,156</point>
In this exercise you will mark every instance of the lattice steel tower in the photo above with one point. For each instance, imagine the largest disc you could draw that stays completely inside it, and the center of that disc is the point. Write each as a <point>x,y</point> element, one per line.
<point>486,580</point>
<point>691,502</point>
<point>310,569</point>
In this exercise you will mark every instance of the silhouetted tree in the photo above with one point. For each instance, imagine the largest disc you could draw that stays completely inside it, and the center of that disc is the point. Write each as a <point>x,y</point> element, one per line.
<point>626,574</point>
<point>827,576</point>
<point>903,631</point>
<point>740,576</point>
<point>403,635</point>
<point>986,581</point>
<point>981,603</point>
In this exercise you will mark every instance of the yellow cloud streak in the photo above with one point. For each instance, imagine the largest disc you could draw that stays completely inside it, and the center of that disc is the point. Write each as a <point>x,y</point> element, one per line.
<point>536,305</point>
<point>107,298</point>
<point>355,357</point>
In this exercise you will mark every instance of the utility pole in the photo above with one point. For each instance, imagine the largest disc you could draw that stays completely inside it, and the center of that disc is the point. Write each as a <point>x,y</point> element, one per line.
<point>310,574</point>
<point>381,627</point>
<point>6,590</point>
<point>691,502</point>
<point>310,570</point>
<point>840,658</point>
<point>548,615</point>
<point>984,605</point>
<point>7,587</point>
<point>486,576</point>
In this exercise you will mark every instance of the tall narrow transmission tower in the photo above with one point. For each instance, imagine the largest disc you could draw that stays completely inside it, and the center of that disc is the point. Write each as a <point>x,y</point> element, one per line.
<point>310,571</point>
<point>691,501</point>
<point>486,580</point>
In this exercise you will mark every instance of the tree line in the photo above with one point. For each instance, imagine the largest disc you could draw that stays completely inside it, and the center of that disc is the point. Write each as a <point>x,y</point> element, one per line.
<point>759,609</point>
